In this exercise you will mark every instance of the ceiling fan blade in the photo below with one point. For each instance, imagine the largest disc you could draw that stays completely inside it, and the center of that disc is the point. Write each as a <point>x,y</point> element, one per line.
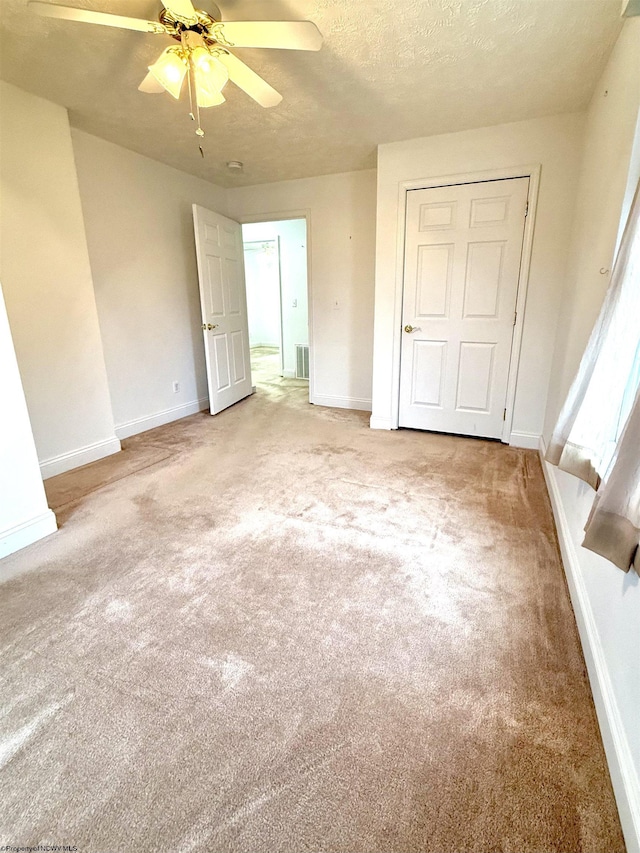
<point>70,13</point>
<point>150,85</point>
<point>250,82</point>
<point>182,9</point>
<point>290,35</point>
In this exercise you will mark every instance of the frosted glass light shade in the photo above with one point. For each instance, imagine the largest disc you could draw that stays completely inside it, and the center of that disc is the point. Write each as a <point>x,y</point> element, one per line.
<point>210,76</point>
<point>210,67</point>
<point>169,71</point>
<point>206,95</point>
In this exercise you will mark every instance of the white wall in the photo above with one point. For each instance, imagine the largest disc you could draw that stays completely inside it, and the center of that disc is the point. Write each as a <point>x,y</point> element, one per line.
<point>341,211</point>
<point>606,601</point>
<point>47,284</point>
<point>555,144</point>
<point>262,277</point>
<point>609,133</point>
<point>24,515</point>
<point>292,237</point>
<point>139,227</point>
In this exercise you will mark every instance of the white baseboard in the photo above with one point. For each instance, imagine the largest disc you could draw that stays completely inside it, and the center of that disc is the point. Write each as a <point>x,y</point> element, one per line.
<point>528,440</point>
<point>376,422</point>
<point>14,538</point>
<point>626,785</point>
<point>137,425</point>
<point>342,402</point>
<point>76,458</point>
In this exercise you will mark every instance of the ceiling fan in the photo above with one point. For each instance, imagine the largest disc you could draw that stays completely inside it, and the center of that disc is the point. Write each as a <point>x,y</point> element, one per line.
<point>203,54</point>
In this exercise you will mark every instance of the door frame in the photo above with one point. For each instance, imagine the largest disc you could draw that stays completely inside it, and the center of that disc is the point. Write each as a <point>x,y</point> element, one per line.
<point>532,172</point>
<point>304,213</point>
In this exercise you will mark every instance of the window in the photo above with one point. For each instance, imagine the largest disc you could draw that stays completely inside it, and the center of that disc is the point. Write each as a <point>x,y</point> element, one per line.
<point>597,437</point>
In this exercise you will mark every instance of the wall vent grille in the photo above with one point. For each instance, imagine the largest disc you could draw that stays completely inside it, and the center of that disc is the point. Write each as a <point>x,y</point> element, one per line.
<point>302,361</point>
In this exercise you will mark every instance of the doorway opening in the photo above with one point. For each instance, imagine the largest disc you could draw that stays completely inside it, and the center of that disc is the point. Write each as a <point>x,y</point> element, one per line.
<point>275,261</point>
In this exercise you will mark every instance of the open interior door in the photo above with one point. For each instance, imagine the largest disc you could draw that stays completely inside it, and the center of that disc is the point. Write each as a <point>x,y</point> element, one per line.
<point>223,301</point>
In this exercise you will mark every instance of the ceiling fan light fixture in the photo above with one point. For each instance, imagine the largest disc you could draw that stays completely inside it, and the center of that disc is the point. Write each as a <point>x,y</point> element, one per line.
<point>206,96</point>
<point>170,70</point>
<point>204,56</point>
<point>208,69</point>
<point>201,59</point>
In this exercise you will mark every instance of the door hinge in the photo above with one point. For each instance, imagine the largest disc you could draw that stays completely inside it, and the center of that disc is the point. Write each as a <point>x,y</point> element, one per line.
<point>504,415</point>
<point>515,317</point>
<point>526,208</point>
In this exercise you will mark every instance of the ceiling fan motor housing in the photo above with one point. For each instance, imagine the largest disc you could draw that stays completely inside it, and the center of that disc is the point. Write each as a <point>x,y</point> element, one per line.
<point>204,25</point>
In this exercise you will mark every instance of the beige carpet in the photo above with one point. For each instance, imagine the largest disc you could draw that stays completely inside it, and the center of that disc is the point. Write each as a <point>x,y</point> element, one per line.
<point>283,631</point>
<point>265,365</point>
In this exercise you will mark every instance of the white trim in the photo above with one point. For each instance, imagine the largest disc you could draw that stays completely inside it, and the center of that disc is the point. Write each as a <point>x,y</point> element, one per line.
<point>521,298</point>
<point>76,458</point>
<point>358,403</point>
<point>14,538</point>
<point>531,171</point>
<point>280,304</point>
<point>376,422</point>
<point>283,216</point>
<point>626,785</point>
<point>126,430</point>
<point>528,440</point>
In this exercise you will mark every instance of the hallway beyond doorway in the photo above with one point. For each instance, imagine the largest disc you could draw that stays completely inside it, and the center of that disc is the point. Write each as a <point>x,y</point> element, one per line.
<point>266,371</point>
<point>265,364</point>
<point>275,256</point>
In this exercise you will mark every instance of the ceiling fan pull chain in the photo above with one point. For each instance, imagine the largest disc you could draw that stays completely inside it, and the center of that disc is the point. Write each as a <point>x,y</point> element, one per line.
<point>190,88</point>
<point>196,117</point>
<point>199,130</point>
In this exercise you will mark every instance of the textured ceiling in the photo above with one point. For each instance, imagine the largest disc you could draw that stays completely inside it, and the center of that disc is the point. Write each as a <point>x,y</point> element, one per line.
<point>387,71</point>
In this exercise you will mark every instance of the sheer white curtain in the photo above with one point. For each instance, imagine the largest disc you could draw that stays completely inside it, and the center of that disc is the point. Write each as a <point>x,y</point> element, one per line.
<point>613,528</point>
<point>597,437</point>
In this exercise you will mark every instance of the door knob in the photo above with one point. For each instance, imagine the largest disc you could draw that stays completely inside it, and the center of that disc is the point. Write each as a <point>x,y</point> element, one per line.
<point>208,326</point>
<point>411,329</point>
